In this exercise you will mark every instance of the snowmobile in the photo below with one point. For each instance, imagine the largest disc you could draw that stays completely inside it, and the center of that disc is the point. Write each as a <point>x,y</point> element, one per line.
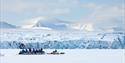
<point>55,53</point>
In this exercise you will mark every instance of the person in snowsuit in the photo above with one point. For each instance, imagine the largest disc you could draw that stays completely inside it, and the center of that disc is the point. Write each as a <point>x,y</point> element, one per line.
<point>33,51</point>
<point>41,51</point>
<point>30,50</point>
<point>22,52</point>
<point>55,52</point>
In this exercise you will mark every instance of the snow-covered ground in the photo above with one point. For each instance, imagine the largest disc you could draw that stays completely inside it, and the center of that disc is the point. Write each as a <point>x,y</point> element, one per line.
<point>71,56</point>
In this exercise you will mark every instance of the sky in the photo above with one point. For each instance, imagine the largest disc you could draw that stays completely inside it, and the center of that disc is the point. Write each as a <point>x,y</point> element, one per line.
<point>104,13</point>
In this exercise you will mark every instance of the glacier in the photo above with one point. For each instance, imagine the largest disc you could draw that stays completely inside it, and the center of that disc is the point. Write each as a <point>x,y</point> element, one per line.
<point>30,38</point>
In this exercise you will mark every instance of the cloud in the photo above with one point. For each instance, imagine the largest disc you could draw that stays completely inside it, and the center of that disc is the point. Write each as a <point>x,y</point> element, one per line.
<point>39,6</point>
<point>13,5</point>
<point>89,5</point>
<point>105,17</point>
<point>103,13</point>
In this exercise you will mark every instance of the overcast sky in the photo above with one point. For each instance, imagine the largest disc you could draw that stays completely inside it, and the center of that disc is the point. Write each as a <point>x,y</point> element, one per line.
<point>104,12</point>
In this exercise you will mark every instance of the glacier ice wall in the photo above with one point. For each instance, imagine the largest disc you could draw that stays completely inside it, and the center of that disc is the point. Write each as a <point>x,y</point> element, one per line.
<point>60,40</point>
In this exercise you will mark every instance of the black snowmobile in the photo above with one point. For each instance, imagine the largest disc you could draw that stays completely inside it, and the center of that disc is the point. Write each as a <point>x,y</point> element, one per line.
<point>56,53</point>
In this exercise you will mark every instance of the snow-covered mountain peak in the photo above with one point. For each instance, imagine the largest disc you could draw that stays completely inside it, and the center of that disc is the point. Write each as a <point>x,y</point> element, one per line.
<point>51,23</point>
<point>88,27</point>
<point>30,23</point>
<point>6,25</point>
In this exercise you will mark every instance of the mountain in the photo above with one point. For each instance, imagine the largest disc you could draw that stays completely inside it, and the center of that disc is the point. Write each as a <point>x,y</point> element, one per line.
<point>88,27</point>
<point>56,24</point>
<point>47,23</point>
<point>6,25</point>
